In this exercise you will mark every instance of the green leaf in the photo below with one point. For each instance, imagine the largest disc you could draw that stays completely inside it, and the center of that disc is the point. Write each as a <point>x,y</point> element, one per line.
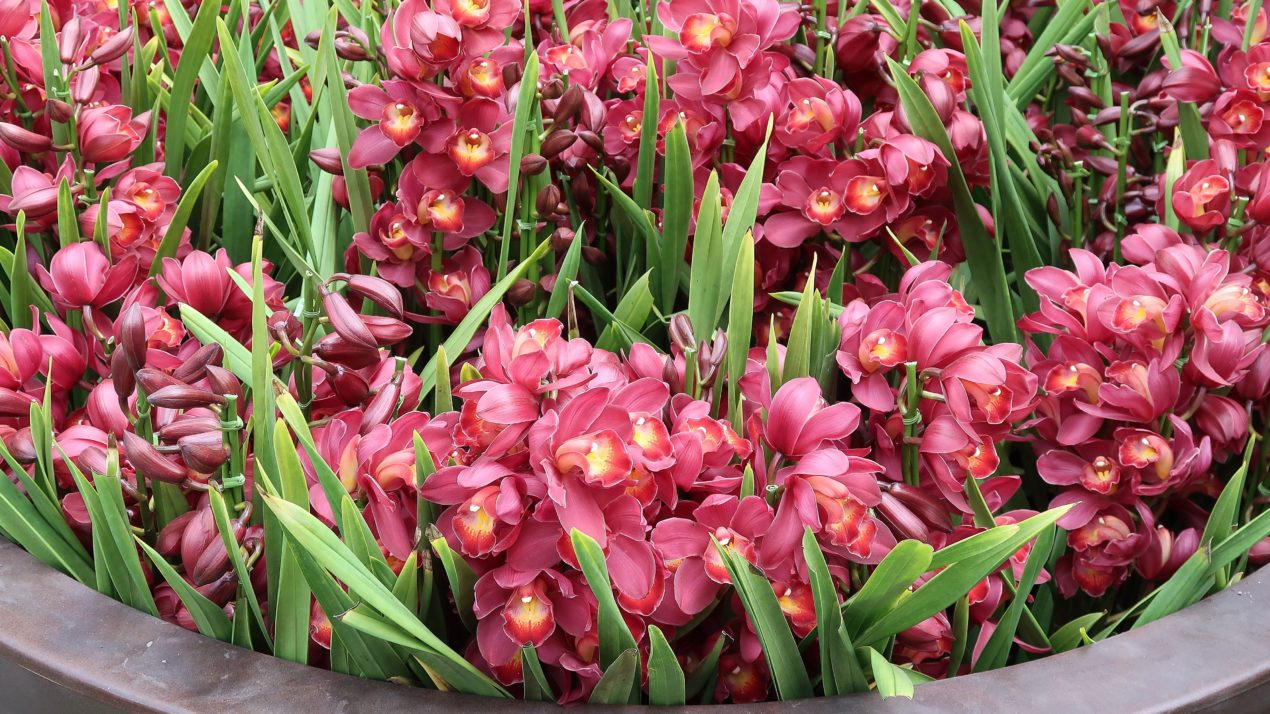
<point>336,95</point>
<point>704,282</point>
<point>887,583</point>
<point>666,686</point>
<point>840,671</point>
<point>328,552</point>
<point>237,357</point>
<point>740,223</point>
<point>565,277</point>
<point>645,165</point>
<point>615,636</point>
<point>740,328</point>
<point>892,681</point>
<point>290,609</point>
<point>996,652</point>
<point>207,615</point>
<point>526,108</point>
<point>983,253</point>
<point>677,204</point>
<point>1223,518</point>
<point>195,49</point>
<point>701,678</point>
<point>22,522</point>
<point>1070,635</point>
<point>1190,125</point>
<point>957,578</point>
<point>110,523</point>
<point>632,311</point>
<point>442,400</point>
<point>536,687</point>
<point>798,357</point>
<point>618,683</point>
<point>462,581</point>
<point>220,513</point>
<point>764,610</point>
<point>189,197</point>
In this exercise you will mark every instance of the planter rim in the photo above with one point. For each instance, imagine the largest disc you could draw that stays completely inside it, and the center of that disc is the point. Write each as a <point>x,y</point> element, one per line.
<point>1209,656</point>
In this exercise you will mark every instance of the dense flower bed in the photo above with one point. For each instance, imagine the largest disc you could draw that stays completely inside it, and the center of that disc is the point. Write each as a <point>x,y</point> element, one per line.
<point>697,350</point>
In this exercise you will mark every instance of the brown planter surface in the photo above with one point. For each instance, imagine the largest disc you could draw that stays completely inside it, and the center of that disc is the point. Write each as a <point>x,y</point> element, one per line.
<point>66,648</point>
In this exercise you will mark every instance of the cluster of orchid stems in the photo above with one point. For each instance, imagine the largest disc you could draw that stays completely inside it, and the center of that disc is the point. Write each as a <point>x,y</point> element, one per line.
<point>666,351</point>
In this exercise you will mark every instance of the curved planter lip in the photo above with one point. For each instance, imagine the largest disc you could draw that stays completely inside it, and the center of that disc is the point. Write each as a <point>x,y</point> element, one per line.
<point>1214,655</point>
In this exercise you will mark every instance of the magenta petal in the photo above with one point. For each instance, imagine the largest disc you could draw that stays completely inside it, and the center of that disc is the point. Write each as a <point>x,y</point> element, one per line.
<point>694,590</point>
<point>508,404</point>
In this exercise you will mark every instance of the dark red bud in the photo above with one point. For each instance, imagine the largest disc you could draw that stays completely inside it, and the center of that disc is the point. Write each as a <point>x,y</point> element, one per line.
<point>387,330</point>
<point>21,140</point>
<point>533,164</point>
<point>15,403</point>
<point>903,521</point>
<point>381,406</point>
<point>593,140</point>
<point>548,199</point>
<point>334,348</point>
<point>186,426</point>
<point>131,333</point>
<point>224,383</point>
<point>553,89</point>
<point>328,160</point>
<point>114,48</point>
<point>570,103</point>
<point>377,290</point>
<point>923,505</point>
<point>521,292</point>
<point>191,370</point>
<point>148,462</point>
<point>557,142</point>
<point>169,541</point>
<point>58,110</point>
<point>682,334</point>
<point>349,386</point>
<point>123,376</point>
<point>152,380</point>
<point>183,396</point>
<point>22,446</point>
<point>204,452</point>
<point>346,322</point>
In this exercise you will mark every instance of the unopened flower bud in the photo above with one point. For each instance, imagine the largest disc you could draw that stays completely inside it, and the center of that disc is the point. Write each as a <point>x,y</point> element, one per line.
<point>114,48</point>
<point>21,140</point>
<point>183,396</point>
<point>192,369</point>
<point>349,386</point>
<point>923,505</point>
<point>204,452</point>
<point>553,89</point>
<point>58,110</point>
<point>521,292</point>
<point>682,334</point>
<point>592,140</point>
<point>903,521</point>
<point>123,376</point>
<point>549,198</point>
<point>68,40</point>
<point>224,383</point>
<point>334,348</point>
<point>328,160</point>
<point>22,446</point>
<point>187,425</point>
<point>557,142</point>
<point>345,320</point>
<point>348,49</point>
<point>148,462</point>
<point>169,541</point>
<point>377,290</point>
<point>593,255</point>
<point>570,103</point>
<point>382,405</point>
<point>131,333</point>
<point>16,404</point>
<point>152,380</point>
<point>533,164</point>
